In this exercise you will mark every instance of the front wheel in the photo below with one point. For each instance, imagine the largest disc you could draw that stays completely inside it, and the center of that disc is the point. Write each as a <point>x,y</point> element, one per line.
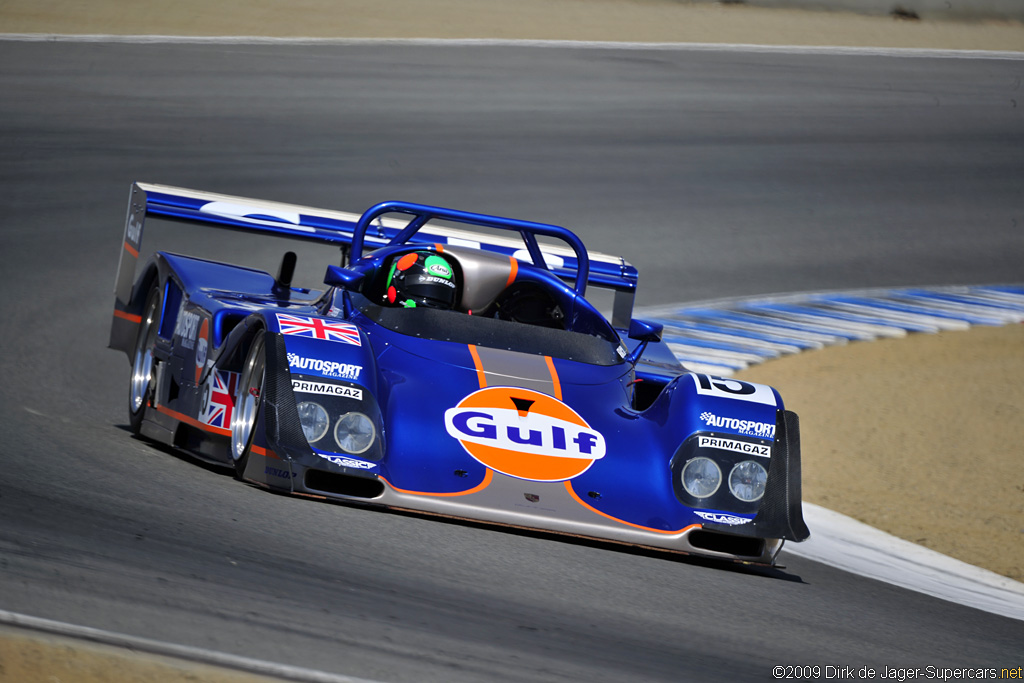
<point>250,396</point>
<point>142,382</point>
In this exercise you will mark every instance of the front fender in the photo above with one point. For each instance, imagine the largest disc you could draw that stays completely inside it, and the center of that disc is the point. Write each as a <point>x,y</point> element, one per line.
<point>715,411</point>
<point>300,367</point>
<point>317,347</point>
<point>639,482</point>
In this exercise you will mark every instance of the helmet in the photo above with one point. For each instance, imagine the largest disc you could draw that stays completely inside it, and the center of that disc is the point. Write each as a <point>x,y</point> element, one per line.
<point>422,278</point>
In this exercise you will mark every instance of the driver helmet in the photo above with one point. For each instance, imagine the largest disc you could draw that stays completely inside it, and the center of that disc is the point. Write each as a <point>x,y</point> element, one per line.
<point>422,278</point>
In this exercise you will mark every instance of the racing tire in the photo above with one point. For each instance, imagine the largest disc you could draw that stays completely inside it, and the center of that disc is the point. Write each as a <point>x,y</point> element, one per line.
<point>250,398</point>
<point>142,383</point>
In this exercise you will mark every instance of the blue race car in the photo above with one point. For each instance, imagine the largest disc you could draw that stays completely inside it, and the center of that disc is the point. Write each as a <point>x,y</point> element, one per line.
<point>451,371</point>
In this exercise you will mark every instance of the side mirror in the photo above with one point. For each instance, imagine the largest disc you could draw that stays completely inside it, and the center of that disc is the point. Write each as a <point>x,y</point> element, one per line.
<point>344,277</point>
<point>644,332</point>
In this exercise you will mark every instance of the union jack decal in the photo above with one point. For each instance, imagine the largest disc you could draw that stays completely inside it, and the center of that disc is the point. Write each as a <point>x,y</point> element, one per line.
<point>318,328</point>
<point>221,402</point>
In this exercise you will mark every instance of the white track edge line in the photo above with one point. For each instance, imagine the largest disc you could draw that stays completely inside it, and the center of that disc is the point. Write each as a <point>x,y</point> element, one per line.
<point>192,654</point>
<point>847,544</point>
<point>498,42</point>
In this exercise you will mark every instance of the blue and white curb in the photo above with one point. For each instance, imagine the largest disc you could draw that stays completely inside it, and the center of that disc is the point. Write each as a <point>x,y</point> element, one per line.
<point>725,336</point>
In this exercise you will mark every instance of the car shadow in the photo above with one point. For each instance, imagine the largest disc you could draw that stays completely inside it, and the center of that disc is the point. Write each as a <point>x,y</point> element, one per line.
<point>181,454</point>
<point>777,572</point>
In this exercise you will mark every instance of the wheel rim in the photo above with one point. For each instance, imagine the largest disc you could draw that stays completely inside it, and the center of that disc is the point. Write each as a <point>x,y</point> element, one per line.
<point>244,421</point>
<point>142,374</point>
<point>143,363</point>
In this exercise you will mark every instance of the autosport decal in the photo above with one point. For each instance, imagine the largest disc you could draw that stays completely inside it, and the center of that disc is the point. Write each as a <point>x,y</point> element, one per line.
<point>733,445</point>
<point>765,430</point>
<point>329,368</point>
<point>325,388</point>
<point>186,327</point>
<point>524,434</point>
<point>319,328</point>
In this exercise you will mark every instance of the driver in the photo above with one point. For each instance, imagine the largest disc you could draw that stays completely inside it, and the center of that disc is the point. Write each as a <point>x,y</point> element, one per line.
<point>422,278</point>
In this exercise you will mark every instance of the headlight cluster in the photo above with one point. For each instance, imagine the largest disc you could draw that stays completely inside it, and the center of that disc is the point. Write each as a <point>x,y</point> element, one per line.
<point>353,432</point>
<point>701,478</point>
<point>747,480</point>
<point>314,420</point>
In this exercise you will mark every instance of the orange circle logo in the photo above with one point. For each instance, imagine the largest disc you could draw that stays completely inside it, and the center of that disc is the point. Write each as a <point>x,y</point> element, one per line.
<point>524,434</point>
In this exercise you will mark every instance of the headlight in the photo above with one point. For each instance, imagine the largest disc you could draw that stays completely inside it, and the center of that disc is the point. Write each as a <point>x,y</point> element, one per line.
<point>354,433</point>
<point>701,477</point>
<point>747,480</point>
<point>314,420</point>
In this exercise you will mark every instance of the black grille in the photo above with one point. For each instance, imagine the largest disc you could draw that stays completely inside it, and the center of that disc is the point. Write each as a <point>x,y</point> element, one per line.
<point>722,543</point>
<point>343,485</point>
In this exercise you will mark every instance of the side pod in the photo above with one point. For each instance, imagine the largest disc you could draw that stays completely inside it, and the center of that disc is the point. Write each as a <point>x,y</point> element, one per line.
<point>780,514</point>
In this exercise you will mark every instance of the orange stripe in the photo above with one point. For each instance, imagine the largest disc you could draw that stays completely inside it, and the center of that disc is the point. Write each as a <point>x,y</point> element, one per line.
<point>554,377</point>
<point>439,247</point>
<point>515,270</point>
<point>192,422</point>
<point>568,487</point>
<point>480,376</point>
<point>131,250</point>
<point>260,450</point>
<point>128,316</point>
<point>480,487</point>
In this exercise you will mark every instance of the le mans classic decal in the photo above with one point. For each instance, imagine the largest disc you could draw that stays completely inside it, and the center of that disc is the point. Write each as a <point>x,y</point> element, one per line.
<point>524,434</point>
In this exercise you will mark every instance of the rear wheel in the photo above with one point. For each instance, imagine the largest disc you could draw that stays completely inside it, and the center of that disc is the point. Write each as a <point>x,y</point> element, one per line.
<point>143,377</point>
<point>250,397</point>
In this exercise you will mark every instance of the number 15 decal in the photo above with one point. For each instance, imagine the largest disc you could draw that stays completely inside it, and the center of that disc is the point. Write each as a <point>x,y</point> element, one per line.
<point>734,388</point>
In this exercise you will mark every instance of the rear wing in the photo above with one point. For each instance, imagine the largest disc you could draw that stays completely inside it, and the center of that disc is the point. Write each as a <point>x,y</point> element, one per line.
<point>355,233</point>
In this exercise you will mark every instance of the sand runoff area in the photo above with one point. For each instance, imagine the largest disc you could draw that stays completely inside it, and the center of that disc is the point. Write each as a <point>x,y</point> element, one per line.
<point>587,20</point>
<point>919,436</point>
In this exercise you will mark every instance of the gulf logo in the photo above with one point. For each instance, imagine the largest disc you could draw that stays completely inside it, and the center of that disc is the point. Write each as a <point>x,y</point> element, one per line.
<point>524,434</point>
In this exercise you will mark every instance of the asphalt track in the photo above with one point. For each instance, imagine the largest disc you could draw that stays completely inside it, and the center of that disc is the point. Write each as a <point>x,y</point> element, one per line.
<point>716,173</point>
